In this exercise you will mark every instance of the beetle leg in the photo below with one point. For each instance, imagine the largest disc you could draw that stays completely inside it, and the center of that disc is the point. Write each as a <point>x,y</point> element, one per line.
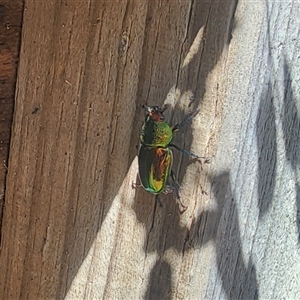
<point>176,188</point>
<point>176,185</point>
<point>186,120</point>
<point>203,160</point>
<point>183,207</point>
<point>168,189</point>
<point>135,185</point>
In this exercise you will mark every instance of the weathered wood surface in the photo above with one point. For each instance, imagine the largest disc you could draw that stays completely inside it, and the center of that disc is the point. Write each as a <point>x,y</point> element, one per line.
<point>10,30</point>
<point>73,226</point>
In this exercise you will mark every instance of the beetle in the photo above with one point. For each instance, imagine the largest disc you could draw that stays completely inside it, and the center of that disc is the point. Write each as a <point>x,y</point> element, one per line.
<point>155,158</point>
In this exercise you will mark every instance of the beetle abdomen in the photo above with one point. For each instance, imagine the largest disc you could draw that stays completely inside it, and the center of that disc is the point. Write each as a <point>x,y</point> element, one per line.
<point>154,168</point>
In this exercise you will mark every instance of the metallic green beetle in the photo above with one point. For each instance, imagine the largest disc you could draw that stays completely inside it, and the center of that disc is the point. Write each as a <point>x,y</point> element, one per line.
<point>155,157</point>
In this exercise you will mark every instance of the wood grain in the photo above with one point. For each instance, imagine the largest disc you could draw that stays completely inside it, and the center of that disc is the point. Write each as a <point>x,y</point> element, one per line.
<point>73,225</point>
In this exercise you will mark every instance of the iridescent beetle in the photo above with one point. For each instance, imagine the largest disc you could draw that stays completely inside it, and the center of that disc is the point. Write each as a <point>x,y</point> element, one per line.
<point>155,157</point>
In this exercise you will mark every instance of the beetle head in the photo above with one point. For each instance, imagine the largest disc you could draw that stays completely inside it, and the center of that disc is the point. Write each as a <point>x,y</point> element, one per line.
<point>155,112</point>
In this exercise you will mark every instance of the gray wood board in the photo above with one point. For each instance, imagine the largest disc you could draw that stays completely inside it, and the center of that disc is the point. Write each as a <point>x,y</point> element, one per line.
<point>73,226</point>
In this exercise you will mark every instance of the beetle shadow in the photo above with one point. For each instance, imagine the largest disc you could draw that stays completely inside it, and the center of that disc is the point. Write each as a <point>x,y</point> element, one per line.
<point>221,225</point>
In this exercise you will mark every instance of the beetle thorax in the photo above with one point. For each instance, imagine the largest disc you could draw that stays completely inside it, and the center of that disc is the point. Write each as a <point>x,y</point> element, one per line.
<point>156,134</point>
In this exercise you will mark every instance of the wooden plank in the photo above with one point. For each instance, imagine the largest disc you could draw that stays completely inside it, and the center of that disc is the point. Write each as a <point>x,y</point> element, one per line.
<point>73,226</point>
